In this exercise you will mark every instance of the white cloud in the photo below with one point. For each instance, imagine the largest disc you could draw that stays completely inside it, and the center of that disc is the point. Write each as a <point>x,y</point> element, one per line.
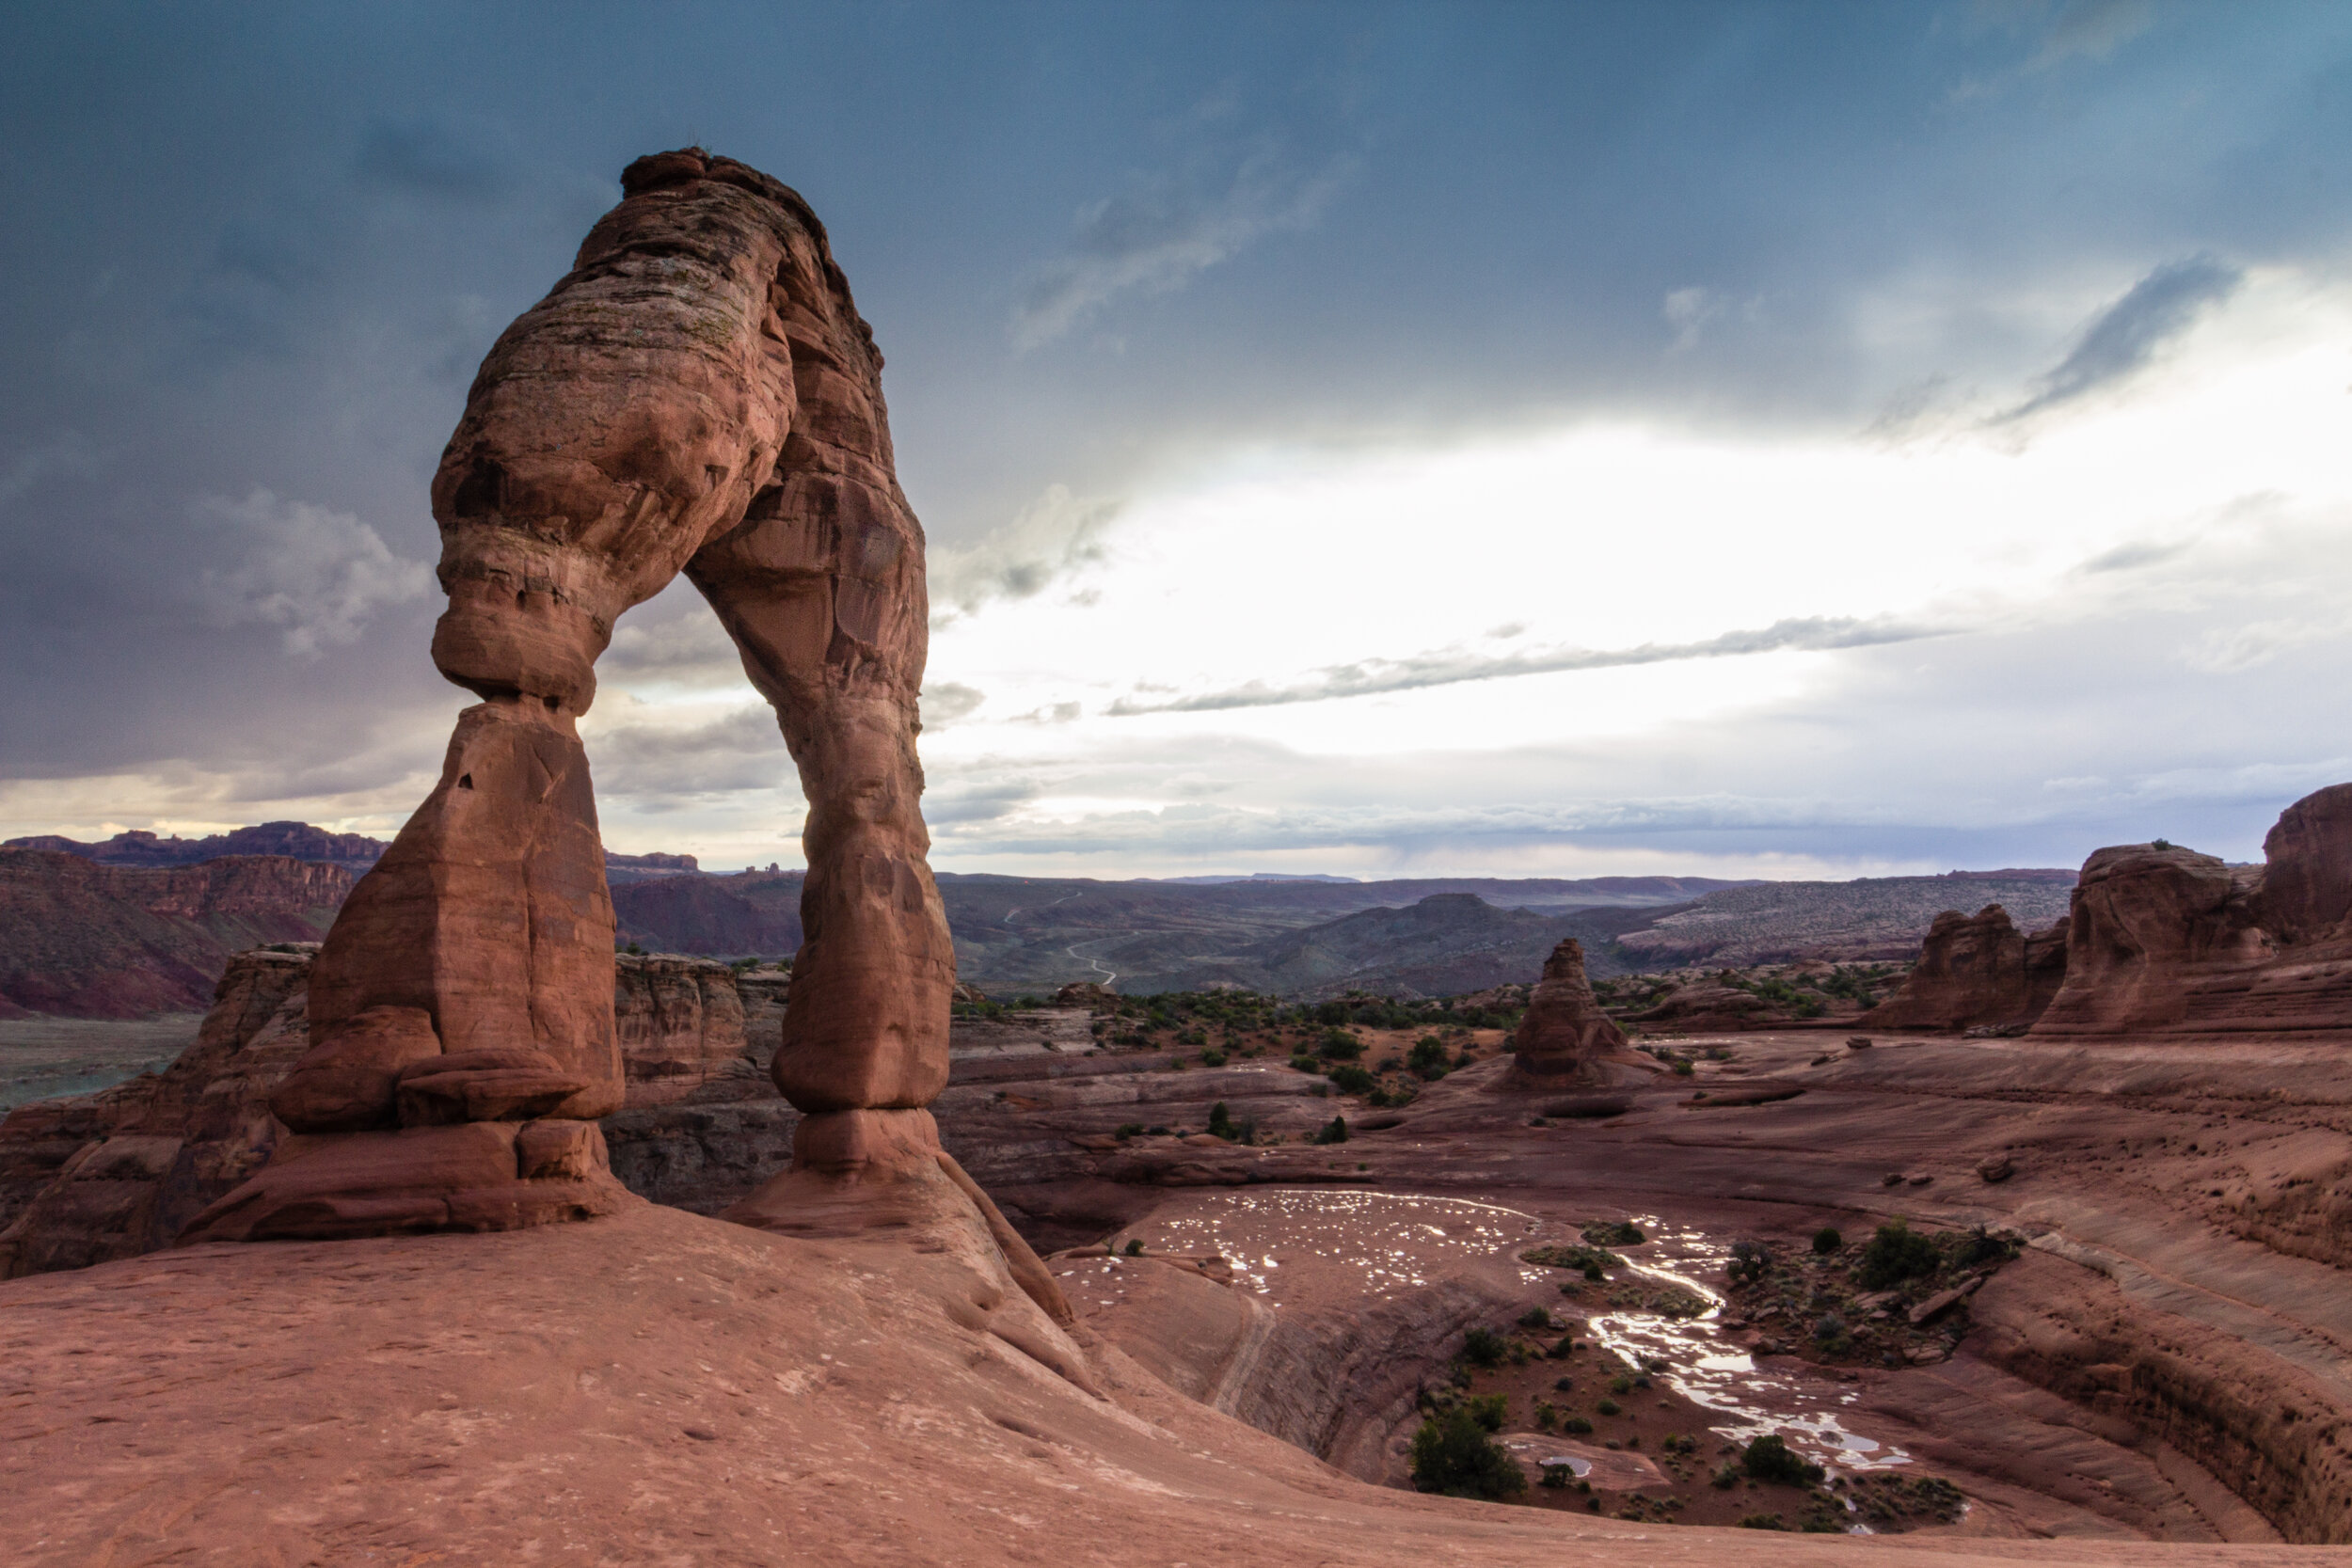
<point>320,575</point>
<point>1158,237</point>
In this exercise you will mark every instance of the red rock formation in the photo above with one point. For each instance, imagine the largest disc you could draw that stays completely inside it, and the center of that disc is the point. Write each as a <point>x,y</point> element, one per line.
<point>121,1172</point>
<point>698,394</point>
<point>1976,970</point>
<point>2162,940</point>
<point>82,940</point>
<point>1563,1037</point>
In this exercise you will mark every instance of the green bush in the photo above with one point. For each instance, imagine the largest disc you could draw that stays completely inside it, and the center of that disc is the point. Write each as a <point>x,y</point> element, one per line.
<point>1334,1133</point>
<point>1338,1045</point>
<point>1212,1058</point>
<point>1555,1475</point>
<point>1606,1408</point>
<point>1606,1233</point>
<point>1770,1459</point>
<point>1535,1317</point>
<point>1427,1057</point>
<point>1762,1521</point>
<point>1683,1068</point>
<point>1577,1426</point>
<point>1135,1249</point>
<point>1453,1454</point>
<point>1221,1121</point>
<point>1350,1079</point>
<point>1489,1410</point>
<point>1827,1239</point>
<point>1621,1384</point>
<point>1483,1347</point>
<point>1896,1253</point>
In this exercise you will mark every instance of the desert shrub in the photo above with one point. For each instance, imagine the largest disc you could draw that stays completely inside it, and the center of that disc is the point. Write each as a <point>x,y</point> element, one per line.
<point>1621,1384</point>
<point>1483,1347</point>
<point>1613,1233</point>
<point>1453,1454</point>
<point>1896,1253</point>
<point>1830,1327</point>
<point>1427,1057</point>
<point>1221,1121</point>
<point>1127,1130</point>
<point>1827,1239</point>
<point>1749,1262</point>
<point>1535,1317</point>
<point>1546,1416</point>
<point>1212,1057</point>
<point>1333,1013</point>
<point>1727,1476</point>
<point>1770,1459</point>
<point>1589,1260</point>
<point>1336,1133</point>
<point>1350,1079</point>
<point>1135,1249</point>
<point>1577,1426</point>
<point>1302,1062</point>
<point>1338,1045</point>
<point>1683,1068</point>
<point>1980,1247</point>
<point>1489,1410</point>
<point>1677,1443</point>
<point>1606,1408</point>
<point>1762,1521</point>
<point>1555,1475</point>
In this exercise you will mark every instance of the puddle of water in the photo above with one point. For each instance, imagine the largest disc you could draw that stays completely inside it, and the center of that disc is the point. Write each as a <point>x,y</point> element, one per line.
<point>1385,1240</point>
<point>1709,1370</point>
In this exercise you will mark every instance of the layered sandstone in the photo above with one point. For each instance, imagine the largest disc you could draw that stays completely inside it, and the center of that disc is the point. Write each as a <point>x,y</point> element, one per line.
<point>1563,1037</point>
<point>1976,972</point>
<point>2165,940</point>
<point>698,394</point>
<point>85,940</point>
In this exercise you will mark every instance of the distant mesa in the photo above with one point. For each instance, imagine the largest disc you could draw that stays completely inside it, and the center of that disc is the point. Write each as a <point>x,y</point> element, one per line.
<point>294,840</point>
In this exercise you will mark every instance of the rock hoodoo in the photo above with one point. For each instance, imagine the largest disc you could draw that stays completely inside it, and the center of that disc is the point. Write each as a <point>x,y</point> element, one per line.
<point>1563,1037</point>
<point>697,395</point>
<point>1976,970</point>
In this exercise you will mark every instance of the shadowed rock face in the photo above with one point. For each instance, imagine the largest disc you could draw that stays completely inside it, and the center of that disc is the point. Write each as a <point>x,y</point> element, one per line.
<point>697,395</point>
<point>1976,970</point>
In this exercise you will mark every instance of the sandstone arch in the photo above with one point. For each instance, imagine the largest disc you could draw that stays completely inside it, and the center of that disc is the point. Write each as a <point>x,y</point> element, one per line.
<point>698,394</point>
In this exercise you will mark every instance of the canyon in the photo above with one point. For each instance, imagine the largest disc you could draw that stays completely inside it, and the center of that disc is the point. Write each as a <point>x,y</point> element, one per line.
<point>1598,1224</point>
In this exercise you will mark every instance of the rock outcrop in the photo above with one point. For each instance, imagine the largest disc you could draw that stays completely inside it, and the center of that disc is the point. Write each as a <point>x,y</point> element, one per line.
<point>1563,1037</point>
<point>81,939</point>
<point>698,395</point>
<point>2164,940</point>
<point>1976,971</point>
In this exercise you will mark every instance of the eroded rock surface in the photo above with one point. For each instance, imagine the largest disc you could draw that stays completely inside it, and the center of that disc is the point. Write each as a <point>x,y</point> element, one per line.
<point>698,394</point>
<point>1976,971</point>
<point>1563,1033</point>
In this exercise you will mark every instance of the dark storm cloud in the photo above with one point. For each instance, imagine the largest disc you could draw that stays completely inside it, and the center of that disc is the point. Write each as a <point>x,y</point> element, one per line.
<point>2124,338</point>
<point>1452,667</point>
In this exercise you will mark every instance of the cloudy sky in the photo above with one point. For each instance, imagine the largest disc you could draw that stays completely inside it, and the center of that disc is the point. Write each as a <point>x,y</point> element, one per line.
<point>1776,440</point>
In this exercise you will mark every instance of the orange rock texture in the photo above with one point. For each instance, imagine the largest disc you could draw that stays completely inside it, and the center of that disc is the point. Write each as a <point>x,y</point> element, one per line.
<point>698,395</point>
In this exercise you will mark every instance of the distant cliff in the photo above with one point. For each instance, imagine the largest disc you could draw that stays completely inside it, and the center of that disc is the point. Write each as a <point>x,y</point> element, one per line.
<point>87,940</point>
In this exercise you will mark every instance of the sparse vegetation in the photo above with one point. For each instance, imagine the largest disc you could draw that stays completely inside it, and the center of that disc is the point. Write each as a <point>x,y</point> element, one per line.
<point>1454,1455</point>
<point>1770,1459</point>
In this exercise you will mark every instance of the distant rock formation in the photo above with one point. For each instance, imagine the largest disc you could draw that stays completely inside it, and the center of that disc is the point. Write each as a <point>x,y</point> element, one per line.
<point>1563,1037</point>
<point>294,840</point>
<point>2165,940</point>
<point>1976,971</point>
<point>80,938</point>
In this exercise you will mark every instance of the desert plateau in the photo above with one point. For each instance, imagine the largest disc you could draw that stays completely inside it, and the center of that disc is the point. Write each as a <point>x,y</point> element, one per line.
<point>1494,883</point>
